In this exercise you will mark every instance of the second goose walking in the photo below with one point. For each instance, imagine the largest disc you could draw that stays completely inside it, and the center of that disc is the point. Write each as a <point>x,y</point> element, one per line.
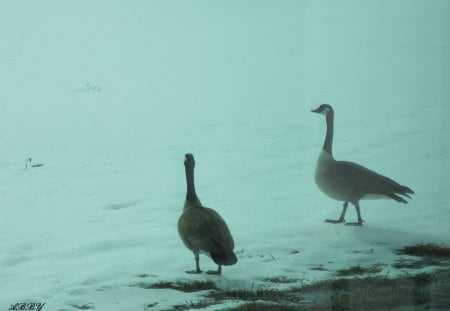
<point>351,182</point>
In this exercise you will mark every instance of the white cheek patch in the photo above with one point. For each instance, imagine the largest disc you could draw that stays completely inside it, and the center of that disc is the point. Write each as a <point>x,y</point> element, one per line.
<point>325,111</point>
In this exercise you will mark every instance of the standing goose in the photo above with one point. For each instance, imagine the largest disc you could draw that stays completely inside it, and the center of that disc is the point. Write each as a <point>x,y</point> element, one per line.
<point>202,229</point>
<point>351,182</point>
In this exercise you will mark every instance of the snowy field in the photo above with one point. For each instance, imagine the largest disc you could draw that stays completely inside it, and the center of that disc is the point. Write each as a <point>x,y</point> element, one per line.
<point>110,95</point>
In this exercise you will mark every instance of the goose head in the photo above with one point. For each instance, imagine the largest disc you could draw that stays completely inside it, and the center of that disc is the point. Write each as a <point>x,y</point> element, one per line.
<point>189,161</point>
<point>323,109</point>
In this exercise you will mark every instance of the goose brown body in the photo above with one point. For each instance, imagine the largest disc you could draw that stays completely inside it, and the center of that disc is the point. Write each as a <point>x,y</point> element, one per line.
<point>351,182</point>
<point>202,229</point>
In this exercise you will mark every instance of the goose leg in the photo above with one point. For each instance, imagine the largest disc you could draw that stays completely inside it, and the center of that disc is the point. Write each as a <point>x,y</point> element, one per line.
<point>218,272</point>
<point>197,265</point>
<point>358,212</point>
<point>341,219</point>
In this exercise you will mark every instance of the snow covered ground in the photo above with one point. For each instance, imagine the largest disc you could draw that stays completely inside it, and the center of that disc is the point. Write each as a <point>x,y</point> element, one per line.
<point>109,96</point>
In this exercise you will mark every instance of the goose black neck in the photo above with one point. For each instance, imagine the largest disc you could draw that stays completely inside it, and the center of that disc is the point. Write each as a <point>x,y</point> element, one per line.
<point>190,193</point>
<point>328,143</point>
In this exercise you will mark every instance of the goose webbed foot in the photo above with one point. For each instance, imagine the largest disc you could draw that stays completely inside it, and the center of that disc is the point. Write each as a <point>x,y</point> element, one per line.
<point>359,223</point>
<point>341,218</point>
<point>358,212</point>
<point>217,272</point>
<point>197,265</point>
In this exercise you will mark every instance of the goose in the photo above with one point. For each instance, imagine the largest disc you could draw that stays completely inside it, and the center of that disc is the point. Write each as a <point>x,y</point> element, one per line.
<point>351,182</point>
<point>202,229</point>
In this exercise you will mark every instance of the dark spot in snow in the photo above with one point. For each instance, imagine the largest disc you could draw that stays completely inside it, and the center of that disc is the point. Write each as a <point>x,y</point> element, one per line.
<point>122,205</point>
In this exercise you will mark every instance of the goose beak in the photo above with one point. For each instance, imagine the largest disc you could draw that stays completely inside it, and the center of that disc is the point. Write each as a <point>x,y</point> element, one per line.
<point>315,110</point>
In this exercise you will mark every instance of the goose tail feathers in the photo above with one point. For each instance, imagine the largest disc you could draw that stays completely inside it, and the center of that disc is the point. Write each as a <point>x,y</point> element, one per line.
<point>225,258</point>
<point>394,190</point>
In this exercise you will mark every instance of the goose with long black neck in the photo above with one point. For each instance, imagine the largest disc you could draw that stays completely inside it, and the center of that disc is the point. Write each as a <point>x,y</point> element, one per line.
<point>202,229</point>
<point>348,181</point>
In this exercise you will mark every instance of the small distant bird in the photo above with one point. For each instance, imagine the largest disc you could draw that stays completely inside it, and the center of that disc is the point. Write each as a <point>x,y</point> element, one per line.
<point>351,182</point>
<point>34,165</point>
<point>202,229</point>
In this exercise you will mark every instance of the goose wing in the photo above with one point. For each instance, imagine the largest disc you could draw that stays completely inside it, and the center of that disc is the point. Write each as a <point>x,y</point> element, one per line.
<point>203,229</point>
<point>363,181</point>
